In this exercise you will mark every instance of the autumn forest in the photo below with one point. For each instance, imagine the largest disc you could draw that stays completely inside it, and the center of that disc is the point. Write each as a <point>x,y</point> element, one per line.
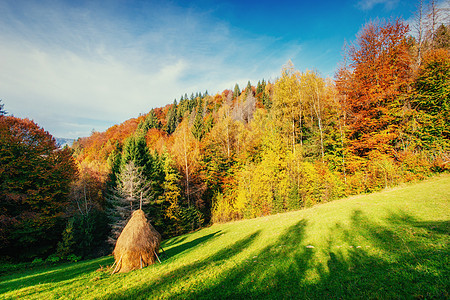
<point>260,149</point>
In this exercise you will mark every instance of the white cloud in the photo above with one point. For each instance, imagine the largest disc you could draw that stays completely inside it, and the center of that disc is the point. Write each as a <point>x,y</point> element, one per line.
<point>72,69</point>
<point>369,4</point>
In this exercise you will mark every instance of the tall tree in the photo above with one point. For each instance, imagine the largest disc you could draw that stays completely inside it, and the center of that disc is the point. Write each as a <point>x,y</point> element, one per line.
<point>287,103</point>
<point>185,150</point>
<point>172,118</point>
<point>237,91</point>
<point>198,128</point>
<point>135,149</point>
<point>132,192</point>
<point>379,74</point>
<point>313,91</point>
<point>432,91</point>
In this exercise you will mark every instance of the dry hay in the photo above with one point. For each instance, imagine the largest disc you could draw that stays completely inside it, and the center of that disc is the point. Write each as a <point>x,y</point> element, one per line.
<point>137,245</point>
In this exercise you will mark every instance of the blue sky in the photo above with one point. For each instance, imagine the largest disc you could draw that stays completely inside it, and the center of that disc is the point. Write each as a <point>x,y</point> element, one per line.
<point>74,66</point>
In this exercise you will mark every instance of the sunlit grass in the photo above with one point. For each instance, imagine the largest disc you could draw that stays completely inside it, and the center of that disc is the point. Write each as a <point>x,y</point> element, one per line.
<point>392,244</point>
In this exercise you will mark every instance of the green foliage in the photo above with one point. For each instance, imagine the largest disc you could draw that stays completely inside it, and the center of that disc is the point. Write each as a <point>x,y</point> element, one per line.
<point>237,91</point>
<point>85,236</point>
<point>267,102</point>
<point>65,247</point>
<point>174,115</point>
<point>53,259</point>
<point>73,258</point>
<point>198,127</point>
<point>150,122</point>
<point>135,149</point>
<point>432,102</point>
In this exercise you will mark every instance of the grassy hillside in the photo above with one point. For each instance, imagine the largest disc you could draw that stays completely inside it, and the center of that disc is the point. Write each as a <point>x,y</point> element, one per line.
<point>391,244</point>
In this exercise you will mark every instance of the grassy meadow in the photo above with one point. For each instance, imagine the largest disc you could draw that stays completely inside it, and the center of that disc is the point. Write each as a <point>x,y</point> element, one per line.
<point>390,244</point>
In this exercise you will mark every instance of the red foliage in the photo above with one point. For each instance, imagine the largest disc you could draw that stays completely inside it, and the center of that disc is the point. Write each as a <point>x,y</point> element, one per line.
<point>35,177</point>
<point>380,72</point>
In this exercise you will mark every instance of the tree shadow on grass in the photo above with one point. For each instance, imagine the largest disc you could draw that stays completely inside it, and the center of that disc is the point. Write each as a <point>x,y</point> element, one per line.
<point>188,246</point>
<point>272,273</point>
<point>165,282</point>
<point>407,258</point>
<point>402,257</point>
<point>247,279</point>
<point>406,262</point>
<point>174,240</point>
<point>50,274</point>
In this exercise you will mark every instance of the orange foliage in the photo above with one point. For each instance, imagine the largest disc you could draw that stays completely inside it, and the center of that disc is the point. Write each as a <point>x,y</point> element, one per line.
<point>156,139</point>
<point>99,145</point>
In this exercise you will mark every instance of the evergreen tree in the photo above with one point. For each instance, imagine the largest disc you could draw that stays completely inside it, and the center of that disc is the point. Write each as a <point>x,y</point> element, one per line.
<point>198,128</point>
<point>153,120</point>
<point>135,149</point>
<point>114,160</point>
<point>266,101</point>
<point>2,109</point>
<point>248,89</point>
<point>150,122</point>
<point>237,91</point>
<point>172,119</point>
<point>209,123</point>
<point>259,88</point>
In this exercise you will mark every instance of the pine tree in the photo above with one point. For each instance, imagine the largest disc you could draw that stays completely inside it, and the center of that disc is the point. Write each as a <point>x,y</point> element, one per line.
<point>198,128</point>
<point>2,109</point>
<point>259,88</point>
<point>114,160</point>
<point>266,101</point>
<point>248,89</point>
<point>136,150</point>
<point>237,91</point>
<point>172,119</point>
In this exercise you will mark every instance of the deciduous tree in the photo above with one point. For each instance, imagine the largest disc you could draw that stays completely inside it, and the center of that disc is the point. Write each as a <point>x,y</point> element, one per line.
<point>35,177</point>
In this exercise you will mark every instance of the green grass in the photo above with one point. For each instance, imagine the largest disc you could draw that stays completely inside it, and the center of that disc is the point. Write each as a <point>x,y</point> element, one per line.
<point>391,244</point>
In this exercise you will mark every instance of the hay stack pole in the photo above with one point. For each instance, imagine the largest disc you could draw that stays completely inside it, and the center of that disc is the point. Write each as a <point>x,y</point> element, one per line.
<point>137,245</point>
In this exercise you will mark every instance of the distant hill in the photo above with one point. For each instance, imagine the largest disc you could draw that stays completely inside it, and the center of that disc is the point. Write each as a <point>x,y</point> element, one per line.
<point>62,142</point>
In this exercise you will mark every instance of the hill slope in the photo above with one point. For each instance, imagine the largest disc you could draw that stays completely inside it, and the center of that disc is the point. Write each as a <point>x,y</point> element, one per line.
<point>389,244</point>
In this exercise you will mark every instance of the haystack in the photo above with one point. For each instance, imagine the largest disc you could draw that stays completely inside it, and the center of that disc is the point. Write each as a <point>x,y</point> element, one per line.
<point>137,245</point>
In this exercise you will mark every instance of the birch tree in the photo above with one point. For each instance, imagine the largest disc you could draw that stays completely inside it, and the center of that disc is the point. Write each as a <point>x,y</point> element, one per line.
<point>287,104</point>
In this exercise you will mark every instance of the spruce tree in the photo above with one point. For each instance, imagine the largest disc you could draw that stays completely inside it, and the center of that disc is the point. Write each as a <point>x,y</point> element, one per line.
<point>135,149</point>
<point>2,110</point>
<point>248,89</point>
<point>172,119</point>
<point>259,88</point>
<point>237,91</point>
<point>198,128</point>
<point>150,122</point>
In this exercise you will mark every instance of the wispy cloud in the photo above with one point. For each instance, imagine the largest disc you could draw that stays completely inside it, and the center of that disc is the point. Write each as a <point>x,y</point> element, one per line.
<point>62,64</point>
<point>370,4</point>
